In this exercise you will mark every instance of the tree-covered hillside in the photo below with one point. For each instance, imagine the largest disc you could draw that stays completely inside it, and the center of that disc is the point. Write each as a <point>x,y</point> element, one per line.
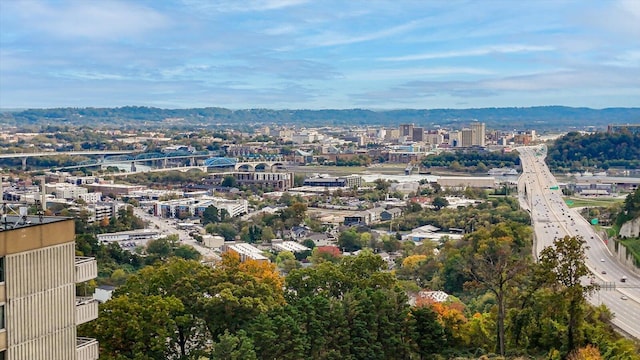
<point>600,150</point>
<point>537,118</point>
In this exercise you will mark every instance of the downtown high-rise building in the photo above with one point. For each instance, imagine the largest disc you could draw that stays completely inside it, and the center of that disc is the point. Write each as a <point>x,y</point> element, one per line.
<point>478,134</point>
<point>406,131</point>
<point>466,137</point>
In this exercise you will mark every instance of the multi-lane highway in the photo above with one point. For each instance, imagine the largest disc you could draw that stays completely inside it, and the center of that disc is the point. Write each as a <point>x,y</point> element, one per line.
<point>552,218</point>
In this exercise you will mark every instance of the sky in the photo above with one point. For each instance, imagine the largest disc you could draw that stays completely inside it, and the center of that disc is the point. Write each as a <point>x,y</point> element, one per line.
<point>320,54</point>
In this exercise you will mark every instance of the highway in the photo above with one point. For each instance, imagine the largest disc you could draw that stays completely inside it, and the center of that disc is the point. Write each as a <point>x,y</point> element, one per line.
<point>552,218</point>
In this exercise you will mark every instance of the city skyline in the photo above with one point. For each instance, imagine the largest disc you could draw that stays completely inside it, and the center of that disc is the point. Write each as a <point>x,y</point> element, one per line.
<point>297,54</point>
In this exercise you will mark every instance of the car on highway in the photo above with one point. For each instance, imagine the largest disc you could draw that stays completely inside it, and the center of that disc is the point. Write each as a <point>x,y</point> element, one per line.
<point>604,272</point>
<point>623,279</point>
<point>601,260</point>
<point>624,297</point>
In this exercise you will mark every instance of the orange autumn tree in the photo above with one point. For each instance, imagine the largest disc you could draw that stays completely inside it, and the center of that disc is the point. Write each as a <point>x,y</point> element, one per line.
<point>263,272</point>
<point>451,317</point>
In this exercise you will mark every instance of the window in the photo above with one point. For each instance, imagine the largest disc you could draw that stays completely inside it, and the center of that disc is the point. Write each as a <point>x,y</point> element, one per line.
<point>2,355</point>
<point>1,318</point>
<point>1,271</point>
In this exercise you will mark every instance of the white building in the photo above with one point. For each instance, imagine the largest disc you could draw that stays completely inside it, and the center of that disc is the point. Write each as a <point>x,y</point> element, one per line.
<point>196,206</point>
<point>65,190</point>
<point>212,241</point>
<point>92,197</point>
<point>435,296</point>
<point>133,235</point>
<point>246,252</point>
<point>156,194</point>
<point>291,246</point>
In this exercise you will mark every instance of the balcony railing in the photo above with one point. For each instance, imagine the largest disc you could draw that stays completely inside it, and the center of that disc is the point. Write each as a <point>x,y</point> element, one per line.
<point>86,309</point>
<point>87,348</point>
<point>86,268</point>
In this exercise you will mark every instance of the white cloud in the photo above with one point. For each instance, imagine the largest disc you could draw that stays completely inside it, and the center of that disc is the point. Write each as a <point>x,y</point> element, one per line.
<point>241,6</point>
<point>280,30</point>
<point>412,73</point>
<point>495,49</point>
<point>88,19</point>
<point>333,38</point>
<point>626,59</point>
<point>619,17</point>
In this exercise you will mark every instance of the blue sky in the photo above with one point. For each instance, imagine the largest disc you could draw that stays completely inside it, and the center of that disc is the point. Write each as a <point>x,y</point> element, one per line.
<point>320,54</point>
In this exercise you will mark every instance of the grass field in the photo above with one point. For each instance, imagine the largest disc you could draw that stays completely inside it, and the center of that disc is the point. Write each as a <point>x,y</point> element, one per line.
<point>582,202</point>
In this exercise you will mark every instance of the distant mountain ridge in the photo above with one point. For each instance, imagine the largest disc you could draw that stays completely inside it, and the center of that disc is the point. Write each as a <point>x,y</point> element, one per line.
<point>537,118</point>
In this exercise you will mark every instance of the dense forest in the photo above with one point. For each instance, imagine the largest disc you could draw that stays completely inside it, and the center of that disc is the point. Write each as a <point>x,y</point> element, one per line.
<point>536,118</point>
<point>601,150</point>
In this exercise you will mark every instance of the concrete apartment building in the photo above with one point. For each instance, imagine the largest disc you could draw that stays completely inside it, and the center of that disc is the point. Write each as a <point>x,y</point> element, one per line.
<point>38,304</point>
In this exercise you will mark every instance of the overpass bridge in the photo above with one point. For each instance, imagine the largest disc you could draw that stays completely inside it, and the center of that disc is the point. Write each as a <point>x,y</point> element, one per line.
<point>25,156</point>
<point>162,159</point>
<point>107,157</point>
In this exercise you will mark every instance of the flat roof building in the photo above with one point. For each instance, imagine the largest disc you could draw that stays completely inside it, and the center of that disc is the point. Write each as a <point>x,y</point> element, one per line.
<point>279,181</point>
<point>246,251</point>
<point>331,181</point>
<point>141,235</point>
<point>291,246</point>
<point>39,310</point>
<point>467,181</point>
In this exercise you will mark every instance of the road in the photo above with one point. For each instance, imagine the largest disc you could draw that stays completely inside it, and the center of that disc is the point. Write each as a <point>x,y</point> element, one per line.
<point>168,228</point>
<point>552,218</point>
